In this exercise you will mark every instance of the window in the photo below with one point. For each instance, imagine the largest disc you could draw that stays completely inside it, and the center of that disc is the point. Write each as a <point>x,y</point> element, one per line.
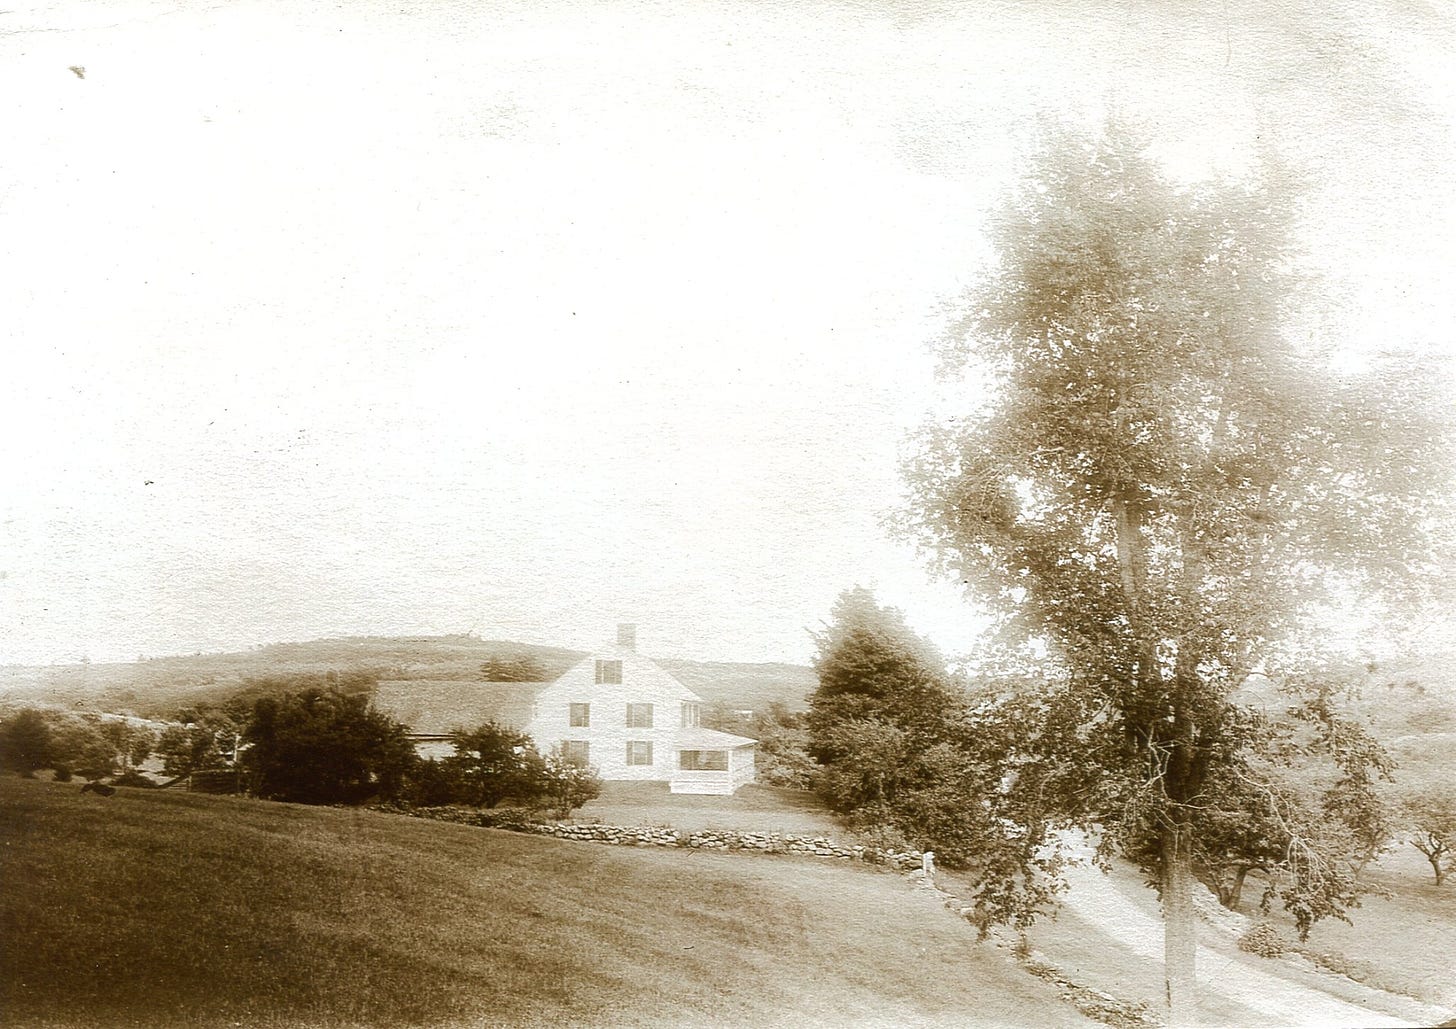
<point>609,672</point>
<point>578,752</point>
<point>580,716</point>
<point>703,760</point>
<point>691,716</point>
<point>639,716</point>
<point>639,752</point>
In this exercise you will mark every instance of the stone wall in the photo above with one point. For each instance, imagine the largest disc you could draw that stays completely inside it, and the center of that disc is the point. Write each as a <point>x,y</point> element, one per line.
<point>517,820</point>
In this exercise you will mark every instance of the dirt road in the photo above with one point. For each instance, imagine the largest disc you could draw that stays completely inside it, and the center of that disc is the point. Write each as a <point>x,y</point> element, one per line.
<point>1236,988</point>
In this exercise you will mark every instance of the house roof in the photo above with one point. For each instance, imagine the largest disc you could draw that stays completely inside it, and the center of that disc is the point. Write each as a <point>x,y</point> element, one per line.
<point>432,707</point>
<point>709,739</point>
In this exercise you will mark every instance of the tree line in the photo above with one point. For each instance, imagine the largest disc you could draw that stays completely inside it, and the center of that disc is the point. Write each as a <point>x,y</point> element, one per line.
<point>310,745</point>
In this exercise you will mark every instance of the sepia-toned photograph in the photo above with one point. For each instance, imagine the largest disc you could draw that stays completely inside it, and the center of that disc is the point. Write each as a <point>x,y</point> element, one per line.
<point>855,514</point>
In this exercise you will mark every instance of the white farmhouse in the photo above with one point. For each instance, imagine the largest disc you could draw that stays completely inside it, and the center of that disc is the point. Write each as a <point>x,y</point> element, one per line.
<point>616,710</point>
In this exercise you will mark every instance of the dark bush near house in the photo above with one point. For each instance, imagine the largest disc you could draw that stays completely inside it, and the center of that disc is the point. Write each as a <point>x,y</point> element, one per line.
<point>492,763</point>
<point>427,783</point>
<point>566,785</point>
<point>324,747</point>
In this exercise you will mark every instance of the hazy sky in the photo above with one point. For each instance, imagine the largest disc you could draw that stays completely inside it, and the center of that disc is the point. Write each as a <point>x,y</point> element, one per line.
<point>525,318</point>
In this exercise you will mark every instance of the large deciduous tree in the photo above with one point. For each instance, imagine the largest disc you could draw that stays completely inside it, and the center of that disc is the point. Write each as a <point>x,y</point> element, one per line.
<point>1161,487</point>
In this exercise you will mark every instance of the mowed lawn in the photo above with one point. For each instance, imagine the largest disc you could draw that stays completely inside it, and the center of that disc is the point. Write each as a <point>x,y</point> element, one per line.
<point>167,909</point>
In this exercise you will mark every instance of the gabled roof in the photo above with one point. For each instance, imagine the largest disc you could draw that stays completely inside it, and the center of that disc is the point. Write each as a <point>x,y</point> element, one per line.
<point>432,707</point>
<point>639,672</point>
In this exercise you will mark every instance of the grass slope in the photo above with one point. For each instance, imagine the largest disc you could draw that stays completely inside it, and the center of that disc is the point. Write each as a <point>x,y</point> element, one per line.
<point>158,909</point>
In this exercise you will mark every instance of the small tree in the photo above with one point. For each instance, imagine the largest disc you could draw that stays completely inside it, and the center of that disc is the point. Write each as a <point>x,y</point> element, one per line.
<point>201,739</point>
<point>428,784</point>
<point>131,744</point>
<point>1431,815</point>
<point>568,784</point>
<point>80,743</point>
<point>492,762</point>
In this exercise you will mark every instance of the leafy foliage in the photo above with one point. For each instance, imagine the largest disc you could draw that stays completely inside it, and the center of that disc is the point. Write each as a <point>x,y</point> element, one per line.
<point>1162,491</point>
<point>492,762</point>
<point>1431,816</point>
<point>324,747</point>
<point>873,668</point>
<point>202,738</point>
<point>903,752</point>
<point>25,742</point>
<point>566,785</point>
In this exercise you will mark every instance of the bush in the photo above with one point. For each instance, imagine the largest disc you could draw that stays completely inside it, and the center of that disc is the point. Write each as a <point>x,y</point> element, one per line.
<point>1263,940</point>
<point>567,785</point>
<point>428,784</point>
<point>136,779</point>
<point>25,742</point>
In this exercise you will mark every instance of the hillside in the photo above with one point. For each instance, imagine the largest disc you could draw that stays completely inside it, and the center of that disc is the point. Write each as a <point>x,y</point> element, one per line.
<point>165,909</point>
<point>157,687</point>
<point>754,686</point>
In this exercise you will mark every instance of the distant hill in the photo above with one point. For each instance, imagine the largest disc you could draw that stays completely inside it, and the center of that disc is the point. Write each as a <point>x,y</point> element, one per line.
<point>158,687</point>
<point>754,686</point>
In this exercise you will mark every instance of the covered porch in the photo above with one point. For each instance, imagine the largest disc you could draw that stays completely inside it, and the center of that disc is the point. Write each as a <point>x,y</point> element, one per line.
<point>711,762</point>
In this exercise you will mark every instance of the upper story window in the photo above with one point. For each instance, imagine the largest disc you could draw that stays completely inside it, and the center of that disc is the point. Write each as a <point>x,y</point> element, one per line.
<point>580,716</point>
<point>609,672</point>
<point>692,717</point>
<point>639,716</point>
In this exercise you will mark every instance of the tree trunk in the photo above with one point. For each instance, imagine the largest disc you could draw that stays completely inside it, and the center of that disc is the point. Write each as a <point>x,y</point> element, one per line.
<point>1230,895</point>
<point>1180,942</point>
<point>1435,860</point>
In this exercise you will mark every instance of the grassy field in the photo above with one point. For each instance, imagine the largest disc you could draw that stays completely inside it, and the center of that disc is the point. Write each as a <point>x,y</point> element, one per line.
<point>166,909</point>
<point>1402,941</point>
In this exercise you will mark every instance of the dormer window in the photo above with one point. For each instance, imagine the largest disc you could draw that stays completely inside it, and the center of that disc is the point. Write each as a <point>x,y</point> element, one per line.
<point>609,672</point>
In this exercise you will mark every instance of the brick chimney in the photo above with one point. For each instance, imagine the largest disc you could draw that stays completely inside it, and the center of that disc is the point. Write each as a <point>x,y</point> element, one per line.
<point>627,635</point>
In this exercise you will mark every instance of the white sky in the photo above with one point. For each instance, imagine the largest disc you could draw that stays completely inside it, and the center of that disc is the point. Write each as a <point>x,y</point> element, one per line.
<point>524,318</point>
